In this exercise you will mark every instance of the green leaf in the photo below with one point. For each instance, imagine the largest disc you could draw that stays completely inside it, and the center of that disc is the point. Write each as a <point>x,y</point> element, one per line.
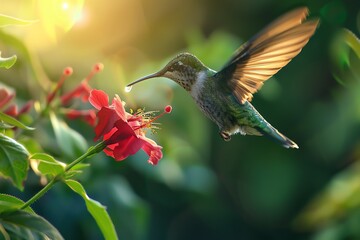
<point>97,210</point>
<point>344,45</point>
<point>12,121</point>
<point>8,202</point>
<point>35,68</point>
<point>31,144</point>
<point>47,165</point>
<point>5,126</point>
<point>344,41</point>
<point>13,161</point>
<point>70,142</point>
<point>80,166</point>
<point>76,170</point>
<point>8,20</point>
<point>25,225</point>
<point>352,41</point>
<point>7,62</point>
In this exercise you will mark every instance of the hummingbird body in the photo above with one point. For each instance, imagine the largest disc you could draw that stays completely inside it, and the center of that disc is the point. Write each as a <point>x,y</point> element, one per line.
<point>221,106</point>
<point>225,96</point>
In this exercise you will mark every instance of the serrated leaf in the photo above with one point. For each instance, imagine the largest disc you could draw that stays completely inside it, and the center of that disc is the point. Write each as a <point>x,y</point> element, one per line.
<point>24,225</point>
<point>70,142</point>
<point>7,62</point>
<point>12,121</point>
<point>13,161</point>
<point>6,20</point>
<point>8,202</point>
<point>97,210</point>
<point>47,165</point>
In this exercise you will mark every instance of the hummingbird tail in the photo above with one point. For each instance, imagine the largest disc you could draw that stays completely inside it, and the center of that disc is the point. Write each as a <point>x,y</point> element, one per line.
<point>274,134</point>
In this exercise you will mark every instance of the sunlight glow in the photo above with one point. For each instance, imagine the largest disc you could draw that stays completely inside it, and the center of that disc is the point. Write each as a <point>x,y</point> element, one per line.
<point>65,6</point>
<point>59,16</point>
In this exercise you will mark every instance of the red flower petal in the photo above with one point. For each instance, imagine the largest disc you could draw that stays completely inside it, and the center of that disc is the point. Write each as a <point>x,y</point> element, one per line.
<point>82,91</point>
<point>109,152</point>
<point>12,110</point>
<point>26,108</point>
<point>86,89</point>
<point>88,116</point>
<point>127,147</point>
<point>124,131</point>
<point>107,118</point>
<point>5,97</point>
<point>119,107</point>
<point>152,149</point>
<point>98,99</point>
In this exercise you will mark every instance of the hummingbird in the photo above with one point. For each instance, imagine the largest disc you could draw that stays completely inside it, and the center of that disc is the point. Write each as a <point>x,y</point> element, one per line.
<point>224,96</point>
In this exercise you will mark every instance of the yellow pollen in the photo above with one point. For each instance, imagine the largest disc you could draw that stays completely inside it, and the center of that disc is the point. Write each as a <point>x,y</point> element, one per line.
<point>147,120</point>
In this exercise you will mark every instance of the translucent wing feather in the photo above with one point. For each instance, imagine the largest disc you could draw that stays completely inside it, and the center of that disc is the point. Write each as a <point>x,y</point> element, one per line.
<point>267,52</point>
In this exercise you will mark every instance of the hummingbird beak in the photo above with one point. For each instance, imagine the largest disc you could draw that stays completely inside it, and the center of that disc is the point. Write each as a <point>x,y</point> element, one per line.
<point>154,75</point>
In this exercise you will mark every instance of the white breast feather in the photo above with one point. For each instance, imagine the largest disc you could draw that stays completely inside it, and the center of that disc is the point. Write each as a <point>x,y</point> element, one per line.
<point>198,85</point>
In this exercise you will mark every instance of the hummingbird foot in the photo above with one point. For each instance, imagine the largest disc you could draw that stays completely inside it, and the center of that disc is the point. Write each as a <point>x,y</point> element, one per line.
<point>225,135</point>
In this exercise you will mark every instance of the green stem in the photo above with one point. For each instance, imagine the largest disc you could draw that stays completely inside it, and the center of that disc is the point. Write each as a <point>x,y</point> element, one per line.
<point>91,151</point>
<point>40,193</point>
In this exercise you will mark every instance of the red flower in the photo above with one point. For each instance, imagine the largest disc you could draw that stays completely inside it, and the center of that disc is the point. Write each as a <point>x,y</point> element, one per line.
<point>82,91</point>
<point>88,116</point>
<point>123,132</point>
<point>5,97</point>
<point>66,73</point>
<point>11,109</point>
<point>26,108</point>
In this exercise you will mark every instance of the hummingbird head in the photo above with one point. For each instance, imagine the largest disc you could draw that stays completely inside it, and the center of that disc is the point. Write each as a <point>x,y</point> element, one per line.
<point>183,69</point>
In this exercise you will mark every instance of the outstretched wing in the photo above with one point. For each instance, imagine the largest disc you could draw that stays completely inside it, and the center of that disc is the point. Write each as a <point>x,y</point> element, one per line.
<point>267,52</point>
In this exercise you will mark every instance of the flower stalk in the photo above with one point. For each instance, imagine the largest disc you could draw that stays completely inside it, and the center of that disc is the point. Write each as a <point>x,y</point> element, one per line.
<point>40,193</point>
<point>90,152</point>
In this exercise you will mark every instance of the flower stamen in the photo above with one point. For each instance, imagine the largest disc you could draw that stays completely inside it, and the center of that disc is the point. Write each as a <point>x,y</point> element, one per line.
<point>148,121</point>
<point>66,73</point>
<point>96,69</point>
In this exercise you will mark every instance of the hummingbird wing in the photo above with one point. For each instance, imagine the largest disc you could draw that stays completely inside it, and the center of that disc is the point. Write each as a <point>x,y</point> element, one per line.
<point>266,53</point>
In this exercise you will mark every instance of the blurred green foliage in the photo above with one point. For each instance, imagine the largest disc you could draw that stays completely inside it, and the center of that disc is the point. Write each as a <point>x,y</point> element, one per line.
<point>205,188</point>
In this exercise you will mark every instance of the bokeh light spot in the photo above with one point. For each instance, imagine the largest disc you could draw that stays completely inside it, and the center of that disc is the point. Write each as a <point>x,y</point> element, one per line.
<point>59,16</point>
<point>65,6</point>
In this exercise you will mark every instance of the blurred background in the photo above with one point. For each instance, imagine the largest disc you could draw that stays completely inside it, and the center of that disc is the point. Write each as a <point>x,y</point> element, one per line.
<point>203,188</point>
